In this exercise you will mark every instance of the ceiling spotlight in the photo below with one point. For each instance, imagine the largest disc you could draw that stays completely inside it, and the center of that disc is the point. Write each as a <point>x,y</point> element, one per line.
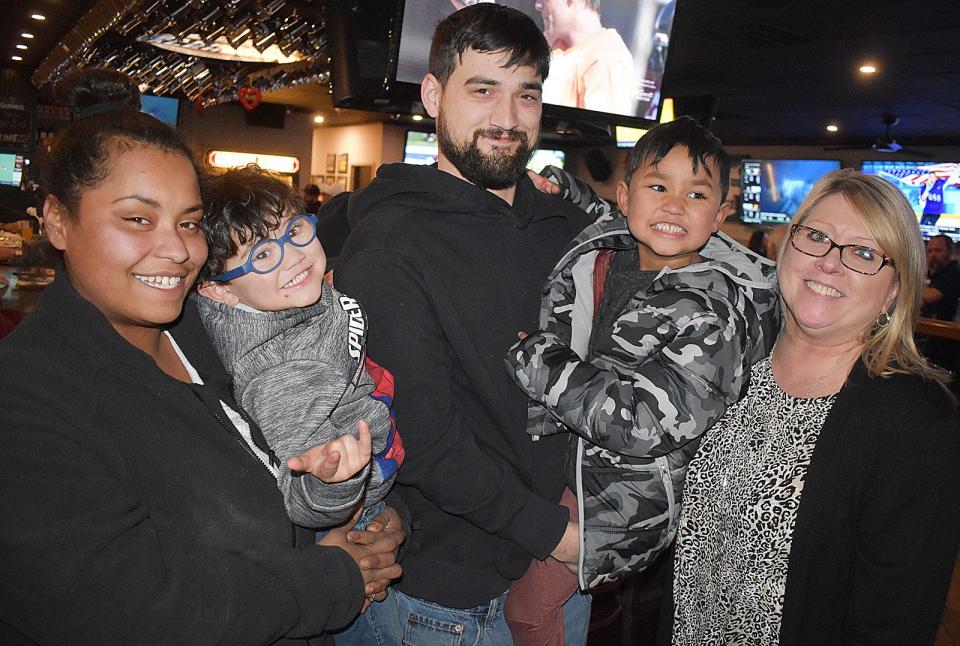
<point>21,46</point>
<point>832,128</point>
<point>868,69</point>
<point>26,34</point>
<point>418,117</point>
<point>319,119</point>
<point>38,16</point>
<point>16,58</point>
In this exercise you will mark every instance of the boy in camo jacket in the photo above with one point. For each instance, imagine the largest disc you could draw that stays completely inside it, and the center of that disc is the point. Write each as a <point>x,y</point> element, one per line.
<point>649,325</point>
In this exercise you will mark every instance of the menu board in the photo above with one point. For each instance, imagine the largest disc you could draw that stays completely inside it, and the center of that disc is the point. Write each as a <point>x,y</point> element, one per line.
<point>15,124</point>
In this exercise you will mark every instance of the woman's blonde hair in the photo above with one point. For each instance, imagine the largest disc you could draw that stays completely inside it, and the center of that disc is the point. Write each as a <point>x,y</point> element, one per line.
<point>889,218</point>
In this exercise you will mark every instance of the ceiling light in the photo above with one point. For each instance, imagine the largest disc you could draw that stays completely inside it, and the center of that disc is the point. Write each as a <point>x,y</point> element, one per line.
<point>318,119</point>
<point>16,58</point>
<point>38,16</point>
<point>418,117</point>
<point>832,128</point>
<point>868,69</point>
<point>26,34</point>
<point>21,46</point>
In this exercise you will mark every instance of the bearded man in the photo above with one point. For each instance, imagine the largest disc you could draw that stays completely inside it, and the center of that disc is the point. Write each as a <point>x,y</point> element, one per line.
<point>448,262</point>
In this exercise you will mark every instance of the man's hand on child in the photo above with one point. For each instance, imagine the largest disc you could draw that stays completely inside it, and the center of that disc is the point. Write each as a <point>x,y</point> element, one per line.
<point>337,460</point>
<point>567,550</point>
<point>375,552</point>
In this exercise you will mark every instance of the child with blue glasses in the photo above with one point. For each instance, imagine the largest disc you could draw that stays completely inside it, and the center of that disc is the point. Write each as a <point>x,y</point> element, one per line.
<point>296,350</point>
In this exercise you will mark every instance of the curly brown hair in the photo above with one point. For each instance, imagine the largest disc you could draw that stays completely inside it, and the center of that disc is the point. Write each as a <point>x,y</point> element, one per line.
<point>242,205</point>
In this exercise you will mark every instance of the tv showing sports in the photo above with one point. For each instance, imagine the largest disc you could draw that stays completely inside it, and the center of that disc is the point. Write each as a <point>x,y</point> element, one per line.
<point>772,189</point>
<point>932,188</point>
<point>421,148</point>
<point>11,169</point>
<point>610,62</point>
<point>164,108</point>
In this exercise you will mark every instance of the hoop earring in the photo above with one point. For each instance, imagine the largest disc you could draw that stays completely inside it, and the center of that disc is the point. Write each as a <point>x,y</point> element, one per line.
<point>883,320</point>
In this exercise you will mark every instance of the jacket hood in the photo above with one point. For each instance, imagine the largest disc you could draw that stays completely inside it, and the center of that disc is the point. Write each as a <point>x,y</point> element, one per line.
<point>234,332</point>
<point>426,188</point>
<point>721,253</point>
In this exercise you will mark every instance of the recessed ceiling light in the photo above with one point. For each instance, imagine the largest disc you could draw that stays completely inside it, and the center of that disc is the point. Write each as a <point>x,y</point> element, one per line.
<point>318,119</point>
<point>418,117</point>
<point>16,58</point>
<point>868,69</point>
<point>38,16</point>
<point>26,34</point>
<point>832,128</point>
<point>21,46</point>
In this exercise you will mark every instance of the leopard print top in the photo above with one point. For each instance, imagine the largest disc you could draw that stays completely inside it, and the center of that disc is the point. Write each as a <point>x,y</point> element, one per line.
<point>740,505</point>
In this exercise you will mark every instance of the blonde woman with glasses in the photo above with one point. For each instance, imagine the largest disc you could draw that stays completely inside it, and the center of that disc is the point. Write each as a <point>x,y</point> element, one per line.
<point>824,507</point>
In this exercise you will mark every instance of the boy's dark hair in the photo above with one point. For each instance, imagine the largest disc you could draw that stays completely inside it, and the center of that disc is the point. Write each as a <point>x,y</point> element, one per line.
<point>241,205</point>
<point>488,27</point>
<point>701,144</point>
<point>311,190</point>
<point>80,158</point>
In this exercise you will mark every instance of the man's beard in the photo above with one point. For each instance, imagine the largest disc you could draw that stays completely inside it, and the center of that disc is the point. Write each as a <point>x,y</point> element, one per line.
<point>496,170</point>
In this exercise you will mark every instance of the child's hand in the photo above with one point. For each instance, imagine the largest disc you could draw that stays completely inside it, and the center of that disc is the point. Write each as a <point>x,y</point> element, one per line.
<point>337,460</point>
<point>522,335</point>
<point>542,184</point>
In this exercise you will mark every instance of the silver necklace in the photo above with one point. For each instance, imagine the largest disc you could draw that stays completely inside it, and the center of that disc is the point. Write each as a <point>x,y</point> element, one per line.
<point>813,387</point>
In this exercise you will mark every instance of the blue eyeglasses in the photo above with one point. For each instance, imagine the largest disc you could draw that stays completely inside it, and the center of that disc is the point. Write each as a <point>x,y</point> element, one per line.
<point>267,254</point>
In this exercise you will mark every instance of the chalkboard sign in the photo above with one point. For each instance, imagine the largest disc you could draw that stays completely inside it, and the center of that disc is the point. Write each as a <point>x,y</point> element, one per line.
<point>16,121</point>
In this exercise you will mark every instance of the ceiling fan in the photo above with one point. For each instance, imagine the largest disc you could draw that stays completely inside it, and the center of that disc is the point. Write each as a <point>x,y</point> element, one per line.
<point>886,143</point>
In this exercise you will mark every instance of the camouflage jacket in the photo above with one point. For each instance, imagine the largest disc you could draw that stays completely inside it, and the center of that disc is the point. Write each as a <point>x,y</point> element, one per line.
<point>683,352</point>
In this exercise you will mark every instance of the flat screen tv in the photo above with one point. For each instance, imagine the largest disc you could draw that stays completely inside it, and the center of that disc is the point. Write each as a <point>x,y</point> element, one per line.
<point>11,169</point>
<point>932,188</point>
<point>627,137</point>
<point>421,148</point>
<point>381,49</point>
<point>772,189</point>
<point>164,108</point>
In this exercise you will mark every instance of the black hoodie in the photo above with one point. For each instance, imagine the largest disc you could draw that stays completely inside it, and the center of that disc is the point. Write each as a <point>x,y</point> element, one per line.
<point>448,274</point>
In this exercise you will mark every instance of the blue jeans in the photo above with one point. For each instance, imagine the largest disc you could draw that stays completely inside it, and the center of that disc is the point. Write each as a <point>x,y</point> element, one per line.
<point>402,619</point>
<point>368,514</point>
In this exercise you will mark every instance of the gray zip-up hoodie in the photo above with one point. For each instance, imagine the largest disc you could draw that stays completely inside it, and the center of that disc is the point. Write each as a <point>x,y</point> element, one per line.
<point>302,374</point>
<point>682,352</point>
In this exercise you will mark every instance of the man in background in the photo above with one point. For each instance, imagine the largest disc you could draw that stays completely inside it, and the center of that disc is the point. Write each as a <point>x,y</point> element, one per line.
<point>943,285</point>
<point>311,198</point>
<point>590,66</point>
<point>940,294</point>
<point>448,262</point>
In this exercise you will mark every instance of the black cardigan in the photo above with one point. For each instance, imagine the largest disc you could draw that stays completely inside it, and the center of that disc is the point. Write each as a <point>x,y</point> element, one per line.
<point>133,512</point>
<point>879,521</point>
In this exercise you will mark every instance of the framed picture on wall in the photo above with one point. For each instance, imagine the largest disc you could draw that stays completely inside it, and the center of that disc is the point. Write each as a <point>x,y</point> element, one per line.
<point>331,162</point>
<point>342,164</point>
<point>329,179</point>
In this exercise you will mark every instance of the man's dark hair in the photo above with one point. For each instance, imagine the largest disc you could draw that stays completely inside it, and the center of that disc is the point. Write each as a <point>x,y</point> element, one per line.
<point>701,144</point>
<point>488,27</point>
<point>947,240</point>
<point>241,205</point>
<point>312,191</point>
<point>593,4</point>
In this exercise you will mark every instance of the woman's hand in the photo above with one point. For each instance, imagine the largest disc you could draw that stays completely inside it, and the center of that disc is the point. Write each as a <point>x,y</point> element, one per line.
<point>374,550</point>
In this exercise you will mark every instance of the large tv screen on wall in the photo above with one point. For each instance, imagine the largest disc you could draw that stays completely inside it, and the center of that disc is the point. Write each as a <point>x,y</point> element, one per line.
<point>932,188</point>
<point>610,73</point>
<point>772,189</point>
